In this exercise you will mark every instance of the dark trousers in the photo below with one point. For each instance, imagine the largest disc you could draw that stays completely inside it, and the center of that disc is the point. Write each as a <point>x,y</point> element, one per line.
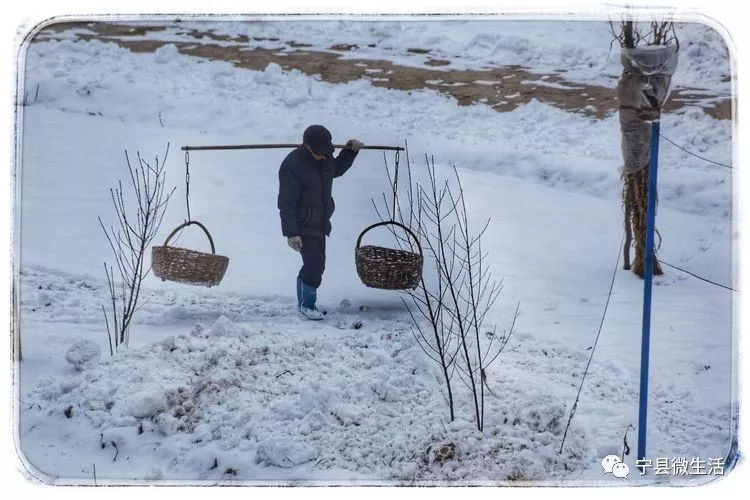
<point>313,261</point>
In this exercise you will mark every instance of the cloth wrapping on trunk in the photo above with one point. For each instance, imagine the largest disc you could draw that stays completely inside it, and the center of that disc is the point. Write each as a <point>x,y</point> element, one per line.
<point>642,91</point>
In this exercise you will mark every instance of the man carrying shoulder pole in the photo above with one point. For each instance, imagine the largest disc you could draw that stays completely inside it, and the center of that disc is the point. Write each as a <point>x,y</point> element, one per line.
<point>306,205</point>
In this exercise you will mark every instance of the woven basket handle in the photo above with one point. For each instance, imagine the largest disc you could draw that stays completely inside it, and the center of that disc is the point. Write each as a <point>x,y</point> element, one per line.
<point>391,223</point>
<point>185,224</point>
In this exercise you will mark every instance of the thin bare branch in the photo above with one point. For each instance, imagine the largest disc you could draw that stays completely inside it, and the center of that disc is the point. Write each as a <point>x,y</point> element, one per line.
<point>130,242</point>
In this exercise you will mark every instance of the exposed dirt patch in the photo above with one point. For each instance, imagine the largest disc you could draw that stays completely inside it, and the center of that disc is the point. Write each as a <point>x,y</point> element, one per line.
<point>342,47</point>
<point>104,29</point>
<point>437,62</point>
<point>503,88</point>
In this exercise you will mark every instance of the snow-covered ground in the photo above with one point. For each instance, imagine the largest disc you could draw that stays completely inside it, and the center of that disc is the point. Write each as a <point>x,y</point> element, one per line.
<point>228,385</point>
<point>578,49</point>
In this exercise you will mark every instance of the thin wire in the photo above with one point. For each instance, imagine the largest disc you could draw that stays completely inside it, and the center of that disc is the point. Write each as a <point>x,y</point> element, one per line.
<point>596,342</point>
<point>696,276</point>
<point>395,186</point>
<point>693,154</point>
<point>187,183</point>
<point>715,163</point>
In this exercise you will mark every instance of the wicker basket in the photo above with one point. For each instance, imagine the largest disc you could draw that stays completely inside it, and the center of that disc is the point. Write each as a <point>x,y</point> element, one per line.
<point>388,268</point>
<point>188,266</point>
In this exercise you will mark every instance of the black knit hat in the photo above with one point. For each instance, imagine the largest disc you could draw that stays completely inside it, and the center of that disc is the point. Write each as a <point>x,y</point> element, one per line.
<point>319,139</point>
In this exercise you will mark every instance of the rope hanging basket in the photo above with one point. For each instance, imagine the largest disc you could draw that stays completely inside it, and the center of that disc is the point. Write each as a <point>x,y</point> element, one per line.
<point>388,268</point>
<point>188,266</point>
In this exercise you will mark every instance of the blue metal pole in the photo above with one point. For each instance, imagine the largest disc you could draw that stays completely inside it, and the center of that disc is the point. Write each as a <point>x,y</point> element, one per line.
<point>647,284</point>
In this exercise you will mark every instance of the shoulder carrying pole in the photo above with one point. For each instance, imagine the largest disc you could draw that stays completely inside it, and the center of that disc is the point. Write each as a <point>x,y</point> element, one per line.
<point>278,146</point>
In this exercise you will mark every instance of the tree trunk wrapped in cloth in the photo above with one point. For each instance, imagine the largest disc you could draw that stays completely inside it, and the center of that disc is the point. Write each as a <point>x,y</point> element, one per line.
<point>642,91</point>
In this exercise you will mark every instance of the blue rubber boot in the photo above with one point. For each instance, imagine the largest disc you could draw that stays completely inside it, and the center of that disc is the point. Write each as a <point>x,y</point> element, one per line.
<point>299,293</point>
<point>309,296</point>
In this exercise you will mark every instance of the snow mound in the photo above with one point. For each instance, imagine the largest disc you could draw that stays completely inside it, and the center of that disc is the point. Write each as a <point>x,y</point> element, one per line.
<point>544,415</point>
<point>272,75</point>
<point>166,53</point>
<point>285,453</point>
<point>365,401</point>
<point>144,403</point>
<point>224,327</point>
<point>83,355</point>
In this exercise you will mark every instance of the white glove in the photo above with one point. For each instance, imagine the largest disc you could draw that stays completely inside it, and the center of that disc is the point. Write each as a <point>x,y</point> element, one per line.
<point>354,145</point>
<point>295,242</point>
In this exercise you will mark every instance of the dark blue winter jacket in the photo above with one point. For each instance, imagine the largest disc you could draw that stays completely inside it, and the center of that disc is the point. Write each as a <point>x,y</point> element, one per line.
<point>305,202</point>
